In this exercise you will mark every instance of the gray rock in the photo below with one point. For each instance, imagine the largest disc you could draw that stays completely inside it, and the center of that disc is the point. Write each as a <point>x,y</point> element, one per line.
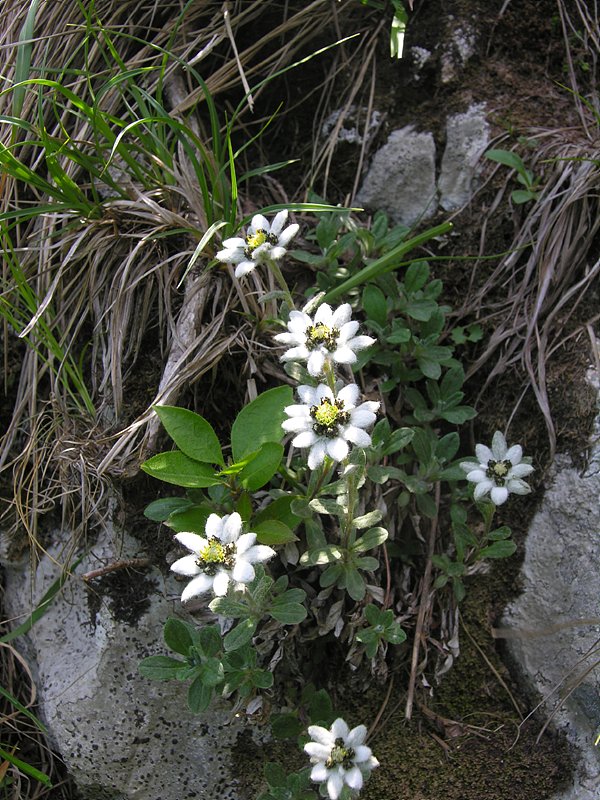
<point>458,47</point>
<point>554,626</point>
<point>122,736</point>
<point>467,137</point>
<point>401,179</point>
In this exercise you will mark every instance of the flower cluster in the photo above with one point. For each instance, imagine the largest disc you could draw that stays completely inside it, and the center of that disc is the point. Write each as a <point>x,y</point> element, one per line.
<point>340,757</point>
<point>224,555</point>
<point>499,472</point>
<point>264,242</point>
<point>328,337</point>
<point>327,424</point>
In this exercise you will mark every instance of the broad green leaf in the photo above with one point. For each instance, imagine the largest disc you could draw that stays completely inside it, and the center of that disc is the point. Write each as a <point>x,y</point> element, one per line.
<point>325,555</point>
<point>262,679</point>
<point>447,447</point>
<point>261,468</point>
<point>226,607</point>
<point>177,636</point>
<point>366,520</point>
<point>501,549</point>
<point>260,421</point>
<point>192,434</point>
<point>274,774</point>
<point>520,196</point>
<point>375,304</point>
<point>280,509</point>
<point>199,695</point>
<point>210,640</point>
<point>367,563</point>
<point>500,533</point>
<point>331,575</point>
<point>355,584</point>
<point>211,672</point>
<point>175,467</point>
<point>394,634</point>
<point>192,519</point>
<point>373,614</point>
<point>273,531</point>
<point>288,614</point>
<point>285,726</point>
<point>508,158</point>
<point>160,510</point>
<point>160,668</point>
<point>458,415</point>
<point>320,708</point>
<point>399,438</point>
<point>371,539</point>
<point>240,635</point>
<point>416,276</point>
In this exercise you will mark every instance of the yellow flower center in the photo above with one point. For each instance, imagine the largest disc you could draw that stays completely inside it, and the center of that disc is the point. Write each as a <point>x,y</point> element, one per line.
<point>320,334</point>
<point>260,237</point>
<point>498,470</point>
<point>340,755</point>
<point>328,417</point>
<point>214,555</point>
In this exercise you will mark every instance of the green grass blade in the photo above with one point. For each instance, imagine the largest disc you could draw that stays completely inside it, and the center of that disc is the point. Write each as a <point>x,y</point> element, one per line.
<point>23,60</point>
<point>20,707</point>
<point>26,769</point>
<point>386,263</point>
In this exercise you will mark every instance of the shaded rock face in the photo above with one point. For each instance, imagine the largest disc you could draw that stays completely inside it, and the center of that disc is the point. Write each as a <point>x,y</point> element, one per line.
<point>402,177</point>
<point>554,626</point>
<point>122,736</point>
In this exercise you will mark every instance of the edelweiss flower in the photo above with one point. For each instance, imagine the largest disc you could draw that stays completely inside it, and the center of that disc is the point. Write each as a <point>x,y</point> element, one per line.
<point>264,242</point>
<point>225,554</point>
<point>327,424</point>
<point>330,336</point>
<point>340,757</point>
<point>499,471</point>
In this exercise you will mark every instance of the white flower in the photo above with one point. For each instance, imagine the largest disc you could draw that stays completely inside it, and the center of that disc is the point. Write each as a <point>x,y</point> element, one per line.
<point>225,554</point>
<point>264,242</point>
<point>499,471</point>
<point>340,757</point>
<point>330,336</point>
<point>327,424</point>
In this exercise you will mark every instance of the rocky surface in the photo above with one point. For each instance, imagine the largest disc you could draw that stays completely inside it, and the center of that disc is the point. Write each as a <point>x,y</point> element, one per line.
<point>122,736</point>
<point>554,625</point>
<point>467,137</point>
<point>401,178</point>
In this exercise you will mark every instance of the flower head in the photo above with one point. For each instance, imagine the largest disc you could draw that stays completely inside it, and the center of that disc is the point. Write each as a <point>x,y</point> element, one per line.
<point>328,424</point>
<point>330,336</point>
<point>500,470</point>
<point>223,555</point>
<point>263,242</point>
<point>340,757</point>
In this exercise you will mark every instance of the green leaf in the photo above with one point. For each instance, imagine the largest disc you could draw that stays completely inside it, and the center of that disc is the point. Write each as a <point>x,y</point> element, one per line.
<point>199,695</point>
<point>240,635</point>
<point>226,607</point>
<point>192,434</point>
<point>210,640</point>
<point>500,533</point>
<point>330,575</point>
<point>416,276</point>
<point>211,672</point>
<point>520,196</point>
<point>320,708</point>
<point>192,519</point>
<point>175,467</point>
<point>274,774</point>
<point>372,518</point>
<point>325,555</point>
<point>160,510</point>
<point>272,532</point>
<point>285,726</point>
<point>323,505</point>
<point>507,158</point>
<point>367,563</point>
<point>421,310</point>
<point>281,510</point>
<point>394,634</point>
<point>288,614</point>
<point>458,415</point>
<point>502,549</point>
<point>373,614</point>
<point>355,584</point>
<point>426,505</point>
<point>160,668</point>
<point>375,304</point>
<point>260,421</point>
<point>262,679</point>
<point>371,539</point>
<point>177,636</point>
<point>261,467</point>
<point>447,447</point>
<point>399,438</point>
